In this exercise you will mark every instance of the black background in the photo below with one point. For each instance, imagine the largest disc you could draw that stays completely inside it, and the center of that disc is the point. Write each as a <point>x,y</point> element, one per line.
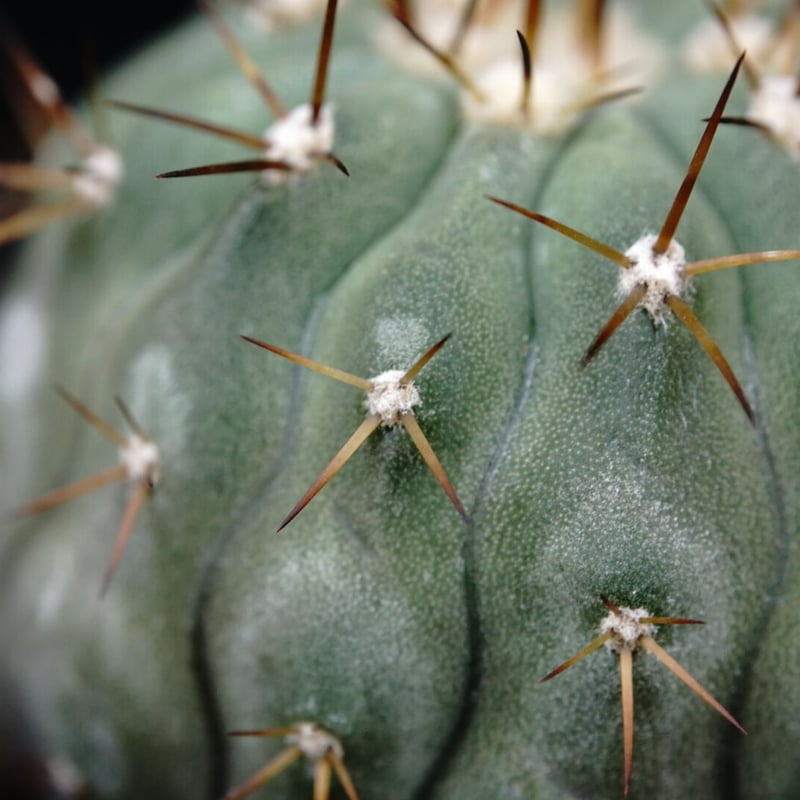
<point>71,39</point>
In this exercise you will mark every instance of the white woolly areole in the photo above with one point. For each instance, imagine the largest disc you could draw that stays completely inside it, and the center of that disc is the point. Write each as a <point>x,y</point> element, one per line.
<point>775,105</point>
<point>708,48</point>
<point>98,177</point>
<point>563,79</point>
<point>389,399</point>
<point>44,89</point>
<point>660,274</point>
<point>266,14</point>
<point>436,21</point>
<point>296,141</point>
<point>65,776</point>
<point>626,628</point>
<point>141,460</point>
<point>550,111</point>
<point>315,742</point>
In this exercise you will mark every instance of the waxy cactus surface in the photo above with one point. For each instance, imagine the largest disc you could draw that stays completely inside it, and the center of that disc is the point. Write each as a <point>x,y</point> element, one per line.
<point>416,639</point>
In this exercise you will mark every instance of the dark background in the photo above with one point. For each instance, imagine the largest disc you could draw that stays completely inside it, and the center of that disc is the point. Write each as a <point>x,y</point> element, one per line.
<point>75,42</point>
<point>72,39</point>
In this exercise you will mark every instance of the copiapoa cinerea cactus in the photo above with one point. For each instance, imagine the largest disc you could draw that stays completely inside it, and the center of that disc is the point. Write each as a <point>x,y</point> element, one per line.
<point>400,646</point>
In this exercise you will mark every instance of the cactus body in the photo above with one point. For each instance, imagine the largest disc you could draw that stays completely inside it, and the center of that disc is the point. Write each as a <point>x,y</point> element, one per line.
<point>417,640</point>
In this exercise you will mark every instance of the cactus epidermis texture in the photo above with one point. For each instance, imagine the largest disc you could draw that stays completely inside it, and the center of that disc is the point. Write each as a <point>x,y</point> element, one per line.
<point>418,641</point>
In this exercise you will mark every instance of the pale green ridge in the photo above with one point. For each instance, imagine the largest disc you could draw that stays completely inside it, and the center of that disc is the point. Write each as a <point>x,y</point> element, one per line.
<point>770,293</point>
<point>597,495</point>
<point>373,568</point>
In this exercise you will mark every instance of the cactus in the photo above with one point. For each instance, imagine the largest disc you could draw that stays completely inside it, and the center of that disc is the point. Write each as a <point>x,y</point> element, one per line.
<point>380,630</point>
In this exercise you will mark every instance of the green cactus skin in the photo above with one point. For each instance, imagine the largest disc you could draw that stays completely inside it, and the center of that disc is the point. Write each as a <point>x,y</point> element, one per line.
<point>418,641</point>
